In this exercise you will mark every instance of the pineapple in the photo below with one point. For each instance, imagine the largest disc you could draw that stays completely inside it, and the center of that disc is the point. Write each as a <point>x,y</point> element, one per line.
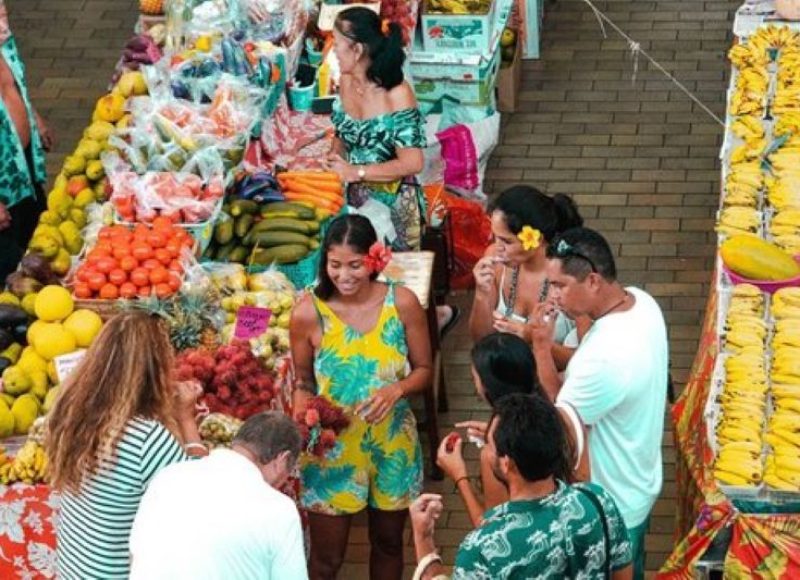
<point>209,338</point>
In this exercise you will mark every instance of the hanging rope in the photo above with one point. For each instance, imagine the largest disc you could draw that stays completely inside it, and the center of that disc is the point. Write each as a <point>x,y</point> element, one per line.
<point>636,49</point>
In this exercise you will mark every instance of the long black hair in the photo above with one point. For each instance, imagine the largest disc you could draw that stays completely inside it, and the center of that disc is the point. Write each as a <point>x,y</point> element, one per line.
<point>505,365</point>
<point>385,51</point>
<point>351,230</point>
<point>523,205</point>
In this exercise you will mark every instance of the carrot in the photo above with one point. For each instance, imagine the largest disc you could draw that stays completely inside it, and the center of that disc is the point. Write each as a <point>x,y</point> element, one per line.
<point>317,202</point>
<point>312,175</point>
<point>328,186</point>
<point>311,190</point>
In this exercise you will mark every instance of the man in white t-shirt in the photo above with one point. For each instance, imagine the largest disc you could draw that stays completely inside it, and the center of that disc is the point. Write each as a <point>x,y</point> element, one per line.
<point>617,378</point>
<point>222,517</point>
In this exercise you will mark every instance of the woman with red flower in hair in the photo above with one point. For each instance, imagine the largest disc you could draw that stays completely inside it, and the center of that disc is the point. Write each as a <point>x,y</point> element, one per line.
<point>363,345</point>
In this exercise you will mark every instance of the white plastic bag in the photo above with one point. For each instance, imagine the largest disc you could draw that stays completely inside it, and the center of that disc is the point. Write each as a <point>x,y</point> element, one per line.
<point>380,216</point>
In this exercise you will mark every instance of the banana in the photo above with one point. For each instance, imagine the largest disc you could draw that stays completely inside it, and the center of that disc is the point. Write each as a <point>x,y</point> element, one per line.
<point>730,433</point>
<point>788,463</point>
<point>776,482</point>
<point>732,478</point>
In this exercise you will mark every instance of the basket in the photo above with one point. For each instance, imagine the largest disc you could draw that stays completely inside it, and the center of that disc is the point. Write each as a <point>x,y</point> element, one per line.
<point>770,286</point>
<point>105,309</point>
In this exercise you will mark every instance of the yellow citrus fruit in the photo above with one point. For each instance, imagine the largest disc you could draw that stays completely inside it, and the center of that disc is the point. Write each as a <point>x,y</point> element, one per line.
<point>53,303</point>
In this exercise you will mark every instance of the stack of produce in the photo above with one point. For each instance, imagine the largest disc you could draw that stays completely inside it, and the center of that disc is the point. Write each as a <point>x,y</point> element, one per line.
<point>745,180</point>
<point>29,465</point>
<point>783,188</point>
<point>258,227</point>
<point>30,381</point>
<point>192,316</point>
<point>218,430</point>
<point>151,7</point>
<point>752,79</point>
<point>743,400</point>
<point>235,382</point>
<point>126,263</point>
<point>787,88</point>
<point>318,189</point>
<point>783,429</point>
<point>270,290</point>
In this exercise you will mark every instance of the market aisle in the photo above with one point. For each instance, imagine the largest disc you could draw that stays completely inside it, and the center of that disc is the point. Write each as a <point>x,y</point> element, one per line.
<point>640,159</point>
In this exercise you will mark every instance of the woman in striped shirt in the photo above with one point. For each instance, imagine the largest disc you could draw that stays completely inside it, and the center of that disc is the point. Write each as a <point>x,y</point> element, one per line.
<point>119,419</point>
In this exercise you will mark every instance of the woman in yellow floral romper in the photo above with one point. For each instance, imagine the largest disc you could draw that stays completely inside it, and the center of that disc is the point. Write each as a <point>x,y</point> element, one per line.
<point>363,345</point>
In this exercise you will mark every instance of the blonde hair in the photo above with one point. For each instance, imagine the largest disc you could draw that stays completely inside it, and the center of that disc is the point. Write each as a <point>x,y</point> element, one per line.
<point>127,372</point>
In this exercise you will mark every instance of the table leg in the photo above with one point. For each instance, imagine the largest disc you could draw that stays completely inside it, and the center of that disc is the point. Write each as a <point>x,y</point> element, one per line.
<point>431,394</point>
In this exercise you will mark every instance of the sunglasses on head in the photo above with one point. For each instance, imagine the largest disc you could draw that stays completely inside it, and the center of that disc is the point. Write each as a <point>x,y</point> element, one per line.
<point>563,249</point>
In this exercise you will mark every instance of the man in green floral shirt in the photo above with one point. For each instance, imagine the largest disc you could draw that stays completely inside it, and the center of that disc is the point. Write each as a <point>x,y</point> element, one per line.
<point>548,529</point>
<point>23,140</point>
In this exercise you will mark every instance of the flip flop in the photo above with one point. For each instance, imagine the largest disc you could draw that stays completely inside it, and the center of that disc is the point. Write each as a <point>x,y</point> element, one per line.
<point>456,314</point>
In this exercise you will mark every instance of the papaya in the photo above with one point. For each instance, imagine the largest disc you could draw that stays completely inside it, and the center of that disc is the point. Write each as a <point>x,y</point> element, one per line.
<point>757,259</point>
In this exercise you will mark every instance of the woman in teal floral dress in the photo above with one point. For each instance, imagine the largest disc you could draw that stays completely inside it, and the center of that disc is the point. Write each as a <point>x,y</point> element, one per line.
<point>363,345</point>
<point>380,131</point>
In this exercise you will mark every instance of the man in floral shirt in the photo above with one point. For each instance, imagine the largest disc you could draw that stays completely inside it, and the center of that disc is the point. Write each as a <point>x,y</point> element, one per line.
<point>548,529</point>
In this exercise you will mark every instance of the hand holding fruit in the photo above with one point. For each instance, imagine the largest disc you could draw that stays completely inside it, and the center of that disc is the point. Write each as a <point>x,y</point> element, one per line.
<point>449,457</point>
<point>475,429</point>
<point>542,324</point>
<point>484,275</point>
<point>375,408</point>
<point>424,512</point>
<point>503,324</point>
<point>186,395</point>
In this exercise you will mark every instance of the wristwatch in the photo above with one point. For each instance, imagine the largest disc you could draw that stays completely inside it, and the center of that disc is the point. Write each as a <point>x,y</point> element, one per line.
<point>362,173</point>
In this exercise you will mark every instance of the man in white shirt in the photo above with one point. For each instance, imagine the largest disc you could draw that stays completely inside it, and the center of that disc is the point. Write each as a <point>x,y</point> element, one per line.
<point>616,380</point>
<point>222,517</point>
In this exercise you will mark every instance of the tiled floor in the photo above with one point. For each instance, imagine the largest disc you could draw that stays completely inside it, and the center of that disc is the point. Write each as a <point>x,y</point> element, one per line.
<point>640,158</point>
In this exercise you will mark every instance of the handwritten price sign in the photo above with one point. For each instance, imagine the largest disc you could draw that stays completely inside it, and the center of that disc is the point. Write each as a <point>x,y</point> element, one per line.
<point>251,322</point>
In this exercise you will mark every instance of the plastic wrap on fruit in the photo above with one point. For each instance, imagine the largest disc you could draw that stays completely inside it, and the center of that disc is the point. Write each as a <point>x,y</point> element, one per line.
<point>218,429</point>
<point>273,280</point>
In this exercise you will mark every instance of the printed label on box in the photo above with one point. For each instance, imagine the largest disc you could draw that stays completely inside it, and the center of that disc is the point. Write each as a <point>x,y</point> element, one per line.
<point>251,322</point>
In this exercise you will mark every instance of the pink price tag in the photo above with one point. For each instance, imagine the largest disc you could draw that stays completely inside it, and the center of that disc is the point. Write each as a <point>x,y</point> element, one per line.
<point>251,321</point>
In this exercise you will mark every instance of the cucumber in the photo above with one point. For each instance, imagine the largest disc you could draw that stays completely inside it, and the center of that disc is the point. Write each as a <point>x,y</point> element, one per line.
<point>224,252</point>
<point>286,225</point>
<point>223,233</point>
<point>279,238</point>
<point>239,254</point>
<point>241,206</point>
<point>242,226</point>
<point>286,254</point>
<point>296,210</point>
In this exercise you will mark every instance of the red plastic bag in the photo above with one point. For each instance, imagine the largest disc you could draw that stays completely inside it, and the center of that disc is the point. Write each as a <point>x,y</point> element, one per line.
<point>470,228</point>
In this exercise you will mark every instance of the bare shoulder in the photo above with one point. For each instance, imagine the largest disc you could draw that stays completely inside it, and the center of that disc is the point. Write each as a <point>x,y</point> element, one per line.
<point>402,97</point>
<point>304,313</point>
<point>405,299</point>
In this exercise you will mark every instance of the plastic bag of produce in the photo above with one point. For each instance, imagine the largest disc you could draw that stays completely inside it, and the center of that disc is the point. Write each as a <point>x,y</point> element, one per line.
<point>272,280</point>
<point>466,150</point>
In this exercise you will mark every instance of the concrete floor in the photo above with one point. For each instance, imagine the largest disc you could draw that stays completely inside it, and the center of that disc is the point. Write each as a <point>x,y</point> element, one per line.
<point>640,159</point>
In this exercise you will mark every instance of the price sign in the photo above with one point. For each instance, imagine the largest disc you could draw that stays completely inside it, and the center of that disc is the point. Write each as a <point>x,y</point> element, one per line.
<point>66,363</point>
<point>251,321</point>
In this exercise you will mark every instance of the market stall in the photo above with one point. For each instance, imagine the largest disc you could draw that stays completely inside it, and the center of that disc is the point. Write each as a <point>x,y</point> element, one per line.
<point>197,193</point>
<point>736,427</point>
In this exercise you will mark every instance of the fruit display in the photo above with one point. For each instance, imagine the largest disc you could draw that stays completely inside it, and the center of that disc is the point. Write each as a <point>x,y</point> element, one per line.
<point>269,289</point>
<point>29,465</point>
<point>737,220</point>
<point>457,6</point>
<point>192,317</point>
<point>782,469</point>
<point>235,382</point>
<point>30,381</point>
<point>320,425</point>
<point>757,259</point>
<point>182,198</point>
<point>133,262</point>
<point>258,227</point>
<point>742,401</point>
<point>218,430</point>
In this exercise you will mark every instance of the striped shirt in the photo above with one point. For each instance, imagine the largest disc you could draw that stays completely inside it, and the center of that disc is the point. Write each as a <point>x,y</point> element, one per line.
<point>95,524</point>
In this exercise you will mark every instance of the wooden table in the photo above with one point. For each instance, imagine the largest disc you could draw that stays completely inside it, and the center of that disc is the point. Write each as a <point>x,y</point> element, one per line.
<point>415,271</point>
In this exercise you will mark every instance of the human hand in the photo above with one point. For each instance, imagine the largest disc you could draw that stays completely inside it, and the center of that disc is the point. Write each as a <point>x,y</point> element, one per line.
<point>376,407</point>
<point>484,275</point>
<point>186,395</point>
<point>5,217</point>
<point>45,133</point>
<point>475,429</point>
<point>257,11</point>
<point>542,324</point>
<point>451,461</point>
<point>300,400</point>
<point>503,324</point>
<point>345,170</point>
<point>424,512</point>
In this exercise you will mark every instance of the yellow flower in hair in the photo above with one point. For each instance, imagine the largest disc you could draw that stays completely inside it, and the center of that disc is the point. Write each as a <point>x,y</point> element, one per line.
<point>530,237</point>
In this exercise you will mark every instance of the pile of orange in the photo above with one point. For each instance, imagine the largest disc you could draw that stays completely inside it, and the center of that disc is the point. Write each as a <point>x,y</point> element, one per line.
<point>126,263</point>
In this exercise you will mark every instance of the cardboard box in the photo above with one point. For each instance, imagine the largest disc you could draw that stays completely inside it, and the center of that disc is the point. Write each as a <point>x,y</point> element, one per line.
<point>458,32</point>
<point>508,82</point>
<point>470,83</point>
